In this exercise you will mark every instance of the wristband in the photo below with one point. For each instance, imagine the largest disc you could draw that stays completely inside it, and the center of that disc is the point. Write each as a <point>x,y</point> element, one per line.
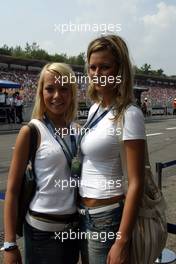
<point>9,246</point>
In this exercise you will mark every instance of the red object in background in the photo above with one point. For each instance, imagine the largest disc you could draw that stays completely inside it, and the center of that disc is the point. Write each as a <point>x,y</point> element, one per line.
<point>174,103</point>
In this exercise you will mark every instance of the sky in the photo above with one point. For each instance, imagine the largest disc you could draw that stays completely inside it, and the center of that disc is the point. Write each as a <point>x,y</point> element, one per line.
<point>147,26</point>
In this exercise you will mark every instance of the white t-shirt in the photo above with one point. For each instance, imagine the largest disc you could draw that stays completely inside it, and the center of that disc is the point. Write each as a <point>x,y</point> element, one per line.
<point>102,172</point>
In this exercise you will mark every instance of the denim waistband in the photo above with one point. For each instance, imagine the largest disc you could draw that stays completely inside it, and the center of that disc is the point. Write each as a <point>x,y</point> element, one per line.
<point>95,210</point>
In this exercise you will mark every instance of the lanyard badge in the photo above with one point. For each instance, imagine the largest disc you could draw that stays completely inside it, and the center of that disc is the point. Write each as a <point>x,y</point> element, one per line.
<point>76,167</point>
<point>73,156</point>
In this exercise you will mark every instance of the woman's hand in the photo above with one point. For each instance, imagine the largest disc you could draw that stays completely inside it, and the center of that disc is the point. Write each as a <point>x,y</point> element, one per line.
<point>12,257</point>
<point>118,254</point>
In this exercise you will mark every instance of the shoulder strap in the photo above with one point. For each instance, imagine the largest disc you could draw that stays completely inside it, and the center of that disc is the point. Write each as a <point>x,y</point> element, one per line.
<point>32,143</point>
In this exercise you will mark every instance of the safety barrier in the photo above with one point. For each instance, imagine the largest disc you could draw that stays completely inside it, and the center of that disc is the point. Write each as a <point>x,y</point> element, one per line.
<point>167,256</point>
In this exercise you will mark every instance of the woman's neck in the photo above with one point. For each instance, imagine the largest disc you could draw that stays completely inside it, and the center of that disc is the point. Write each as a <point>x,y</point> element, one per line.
<point>106,101</point>
<point>107,98</point>
<point>58,121</point>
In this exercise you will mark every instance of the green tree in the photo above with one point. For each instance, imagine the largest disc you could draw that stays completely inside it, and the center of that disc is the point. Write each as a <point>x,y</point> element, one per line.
<point>27,50</point>
<point>146,68</point>
<point>18,52</point>
<point>72,60</point>
<point>58,57</point>
<point>136,70</point>
<point>81,58</point>
<point>5,50</point>
<point>160,72</point>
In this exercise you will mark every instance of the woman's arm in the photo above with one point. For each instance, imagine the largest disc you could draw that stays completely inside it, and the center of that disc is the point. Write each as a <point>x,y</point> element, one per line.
<point>17,168</point>
<point>16,172</point>
<point>135,156</point>
<point>135,159</point>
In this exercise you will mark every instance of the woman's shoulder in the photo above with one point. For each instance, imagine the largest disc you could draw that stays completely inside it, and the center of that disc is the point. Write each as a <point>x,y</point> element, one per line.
<point>134,108</point>
<point>36,121</point>
<point>133,111</point>
<point>38,124</point>
<point>133,123</point>
<point>24,131</point>
<point>92,110</point>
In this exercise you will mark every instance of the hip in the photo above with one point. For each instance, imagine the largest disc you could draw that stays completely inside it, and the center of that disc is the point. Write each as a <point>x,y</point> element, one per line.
<point>93,202</point>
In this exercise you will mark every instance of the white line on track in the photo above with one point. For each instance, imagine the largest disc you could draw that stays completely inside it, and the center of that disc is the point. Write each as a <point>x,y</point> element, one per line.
<point>154,134</point>
<point>170,128</point>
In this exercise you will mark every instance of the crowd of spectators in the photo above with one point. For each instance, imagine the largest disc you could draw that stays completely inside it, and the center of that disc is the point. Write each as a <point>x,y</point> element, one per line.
<point>28,81</point>
<point>156,95</point>
<point>11,107</point>
<point>159,97</point>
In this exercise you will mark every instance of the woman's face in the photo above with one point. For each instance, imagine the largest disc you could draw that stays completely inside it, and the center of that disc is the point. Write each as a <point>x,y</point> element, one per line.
<point>57,97</point>
<point>102,70</point>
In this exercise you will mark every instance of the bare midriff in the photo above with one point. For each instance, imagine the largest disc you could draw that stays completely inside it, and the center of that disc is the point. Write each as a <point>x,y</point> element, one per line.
<point>92,202</point>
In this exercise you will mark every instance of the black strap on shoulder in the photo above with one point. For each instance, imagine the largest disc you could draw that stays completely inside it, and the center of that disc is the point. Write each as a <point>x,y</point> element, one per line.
<point>32,143</point>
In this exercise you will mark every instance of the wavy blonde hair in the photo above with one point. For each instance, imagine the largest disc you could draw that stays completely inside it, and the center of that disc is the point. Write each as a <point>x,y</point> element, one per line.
<point>39,106</point>
<point>123,92</point>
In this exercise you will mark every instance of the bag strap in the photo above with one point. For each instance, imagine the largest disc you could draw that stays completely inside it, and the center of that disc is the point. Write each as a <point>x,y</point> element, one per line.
<point>32,143</point>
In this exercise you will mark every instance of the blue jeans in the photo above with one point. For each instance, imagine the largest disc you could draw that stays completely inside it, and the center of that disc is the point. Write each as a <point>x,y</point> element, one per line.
<point>101,230</point>
<point>43,247</point>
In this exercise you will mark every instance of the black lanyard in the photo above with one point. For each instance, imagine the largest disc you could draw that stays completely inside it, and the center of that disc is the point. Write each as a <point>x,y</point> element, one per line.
<point>91,124</point>
<point>69,154</point>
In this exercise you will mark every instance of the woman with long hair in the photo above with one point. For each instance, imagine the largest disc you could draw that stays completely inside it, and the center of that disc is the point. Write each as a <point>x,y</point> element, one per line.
<point>108,214</point>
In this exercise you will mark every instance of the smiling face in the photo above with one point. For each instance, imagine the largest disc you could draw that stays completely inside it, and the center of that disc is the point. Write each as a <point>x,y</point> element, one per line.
<point>57,97</point>
<point>102,66</point>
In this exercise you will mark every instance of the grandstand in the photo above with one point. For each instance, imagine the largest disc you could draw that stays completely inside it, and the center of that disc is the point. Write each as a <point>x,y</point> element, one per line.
<point>160,91</point>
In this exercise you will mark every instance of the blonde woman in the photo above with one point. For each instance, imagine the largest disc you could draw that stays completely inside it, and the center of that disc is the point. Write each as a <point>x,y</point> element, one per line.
<point>107,214</point>
<point>53,208</point>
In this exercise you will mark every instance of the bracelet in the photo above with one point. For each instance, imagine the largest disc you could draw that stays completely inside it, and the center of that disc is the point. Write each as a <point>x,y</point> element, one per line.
<point>9,246</point>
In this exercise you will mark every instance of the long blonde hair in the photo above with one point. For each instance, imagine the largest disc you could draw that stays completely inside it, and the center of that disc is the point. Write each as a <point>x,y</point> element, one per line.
<point>123,92</point>
<point>39,106</point>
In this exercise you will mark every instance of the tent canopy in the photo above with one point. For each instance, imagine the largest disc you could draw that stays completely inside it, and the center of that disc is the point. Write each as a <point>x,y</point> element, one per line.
<point>9,84</point>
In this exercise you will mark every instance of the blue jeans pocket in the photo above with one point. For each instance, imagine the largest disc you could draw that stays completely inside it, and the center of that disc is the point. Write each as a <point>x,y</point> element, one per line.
<point>108,220</point>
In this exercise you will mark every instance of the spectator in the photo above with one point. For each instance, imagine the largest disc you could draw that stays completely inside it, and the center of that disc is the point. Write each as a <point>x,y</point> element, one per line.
<point>2,97</point>
<point>9,109</point>
<point>19,107</point>
<point>174,107</point>
<point>144,107</point>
